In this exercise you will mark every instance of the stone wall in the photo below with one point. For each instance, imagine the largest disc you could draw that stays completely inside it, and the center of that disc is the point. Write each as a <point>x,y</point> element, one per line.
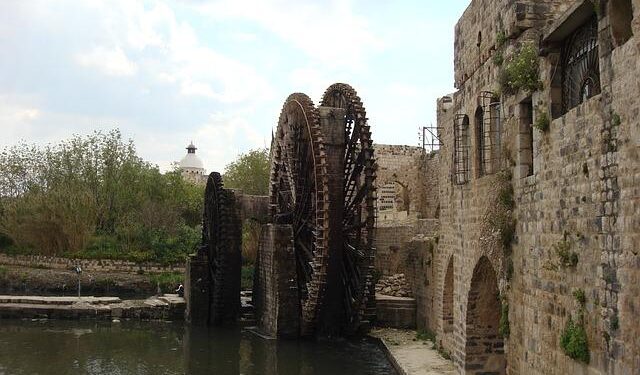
<point>484,22</point>
<point>391,243</point>
<point>275,287</point>
<point>582,197</point>
<point>406,182</point>
<point>95,265</point>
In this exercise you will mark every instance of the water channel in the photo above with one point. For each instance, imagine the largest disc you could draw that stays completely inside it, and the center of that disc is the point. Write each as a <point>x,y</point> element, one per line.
<point>89,347</point>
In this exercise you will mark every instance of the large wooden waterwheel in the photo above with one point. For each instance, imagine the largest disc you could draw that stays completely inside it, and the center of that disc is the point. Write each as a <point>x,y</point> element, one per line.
<point>221,244</point>
<point>359,206</point>
<point>299,196</point>
<point>334,258</point>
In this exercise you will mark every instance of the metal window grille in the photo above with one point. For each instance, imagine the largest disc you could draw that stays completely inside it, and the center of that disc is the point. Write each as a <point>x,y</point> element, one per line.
<point>580,65</point>
<point>461,149</point>
<point>489,133</point>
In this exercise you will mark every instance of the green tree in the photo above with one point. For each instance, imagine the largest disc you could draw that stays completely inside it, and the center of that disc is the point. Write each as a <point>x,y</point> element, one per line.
<point>249,172</point>
<point>94,196</point>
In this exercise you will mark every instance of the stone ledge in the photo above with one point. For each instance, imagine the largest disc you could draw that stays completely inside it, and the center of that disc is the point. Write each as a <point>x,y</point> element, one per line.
<point>166,307</point>
<point>410,356</point>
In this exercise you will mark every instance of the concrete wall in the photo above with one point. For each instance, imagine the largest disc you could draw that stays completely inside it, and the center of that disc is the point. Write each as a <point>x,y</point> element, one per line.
<point>584,192</point>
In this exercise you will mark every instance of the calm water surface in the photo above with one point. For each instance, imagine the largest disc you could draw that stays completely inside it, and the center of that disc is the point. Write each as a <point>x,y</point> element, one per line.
<point>72,347</point>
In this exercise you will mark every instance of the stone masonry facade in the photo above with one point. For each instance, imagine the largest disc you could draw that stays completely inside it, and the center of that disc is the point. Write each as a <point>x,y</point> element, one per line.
<point>407,182</point>
<point>539,226</point>
<point>408,203</point>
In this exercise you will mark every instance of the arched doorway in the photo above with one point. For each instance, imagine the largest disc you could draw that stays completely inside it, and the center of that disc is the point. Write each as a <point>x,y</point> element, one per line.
<point>484,347</point>
<point>447,308</point>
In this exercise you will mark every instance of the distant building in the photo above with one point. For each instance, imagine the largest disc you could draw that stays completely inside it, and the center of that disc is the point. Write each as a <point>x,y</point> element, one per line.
<point>192,167</point>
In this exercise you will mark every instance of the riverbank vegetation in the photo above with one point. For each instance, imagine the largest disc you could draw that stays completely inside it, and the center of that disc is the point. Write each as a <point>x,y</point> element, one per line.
<point>94,197</point>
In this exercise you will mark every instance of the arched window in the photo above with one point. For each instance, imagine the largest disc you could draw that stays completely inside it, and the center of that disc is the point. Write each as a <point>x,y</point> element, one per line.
<point>620,17</point>
<point>580,65</point>
<point>461,149</point>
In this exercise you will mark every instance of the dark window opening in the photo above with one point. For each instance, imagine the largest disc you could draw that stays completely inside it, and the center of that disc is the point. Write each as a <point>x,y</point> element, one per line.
<point>580,65</point>
<point>620,17</point>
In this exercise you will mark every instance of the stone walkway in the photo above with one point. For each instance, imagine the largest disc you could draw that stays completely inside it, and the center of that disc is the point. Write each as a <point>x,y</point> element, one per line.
<point>414,357</point>
<point>165,307</point>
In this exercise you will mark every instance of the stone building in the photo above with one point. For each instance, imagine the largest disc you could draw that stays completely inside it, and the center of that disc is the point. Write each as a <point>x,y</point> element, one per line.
<point>407,190</point>
<point>192,167</point>
<point>535,268</point>
<point>402,182</point>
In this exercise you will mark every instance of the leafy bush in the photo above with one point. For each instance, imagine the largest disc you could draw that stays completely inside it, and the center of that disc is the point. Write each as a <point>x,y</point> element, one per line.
<point>504,328</point>
<point>615,119</point>
<point>501,38</point>
<point>567,257</point>
<point>574,341</point>
<point>542,122</point>
<point>498,58</point>
<point>93,197</point>
<point>579,295</point>
<point>521,71</point>
<point>425,335</point>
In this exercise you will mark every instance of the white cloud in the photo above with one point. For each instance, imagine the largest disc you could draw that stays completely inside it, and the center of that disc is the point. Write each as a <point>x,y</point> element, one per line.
<point>112,62</point>
<point>219,140</point>
<point>245,37</point>
<point>311,81</point>
<point>173,53</point>
<point>21,119</point>
<point>327,31</point>
<point>16,117</point>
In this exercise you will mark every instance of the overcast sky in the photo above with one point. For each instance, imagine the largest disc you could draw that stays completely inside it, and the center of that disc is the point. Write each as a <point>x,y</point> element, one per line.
<point>216,72</point>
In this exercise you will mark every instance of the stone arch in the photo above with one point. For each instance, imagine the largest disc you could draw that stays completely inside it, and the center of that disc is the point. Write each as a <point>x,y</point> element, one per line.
<point>484,346</point>
<point>447,307</point>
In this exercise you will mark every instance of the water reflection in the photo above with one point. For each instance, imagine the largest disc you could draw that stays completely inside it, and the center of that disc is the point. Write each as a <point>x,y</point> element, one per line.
<point>61,347</point>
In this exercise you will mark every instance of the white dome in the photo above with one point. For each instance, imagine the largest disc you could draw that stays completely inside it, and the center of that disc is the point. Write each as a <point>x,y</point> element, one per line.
<point>191,161</point>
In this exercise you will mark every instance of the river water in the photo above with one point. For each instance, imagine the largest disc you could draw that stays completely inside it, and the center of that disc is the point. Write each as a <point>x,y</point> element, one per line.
<point>89,347</point>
